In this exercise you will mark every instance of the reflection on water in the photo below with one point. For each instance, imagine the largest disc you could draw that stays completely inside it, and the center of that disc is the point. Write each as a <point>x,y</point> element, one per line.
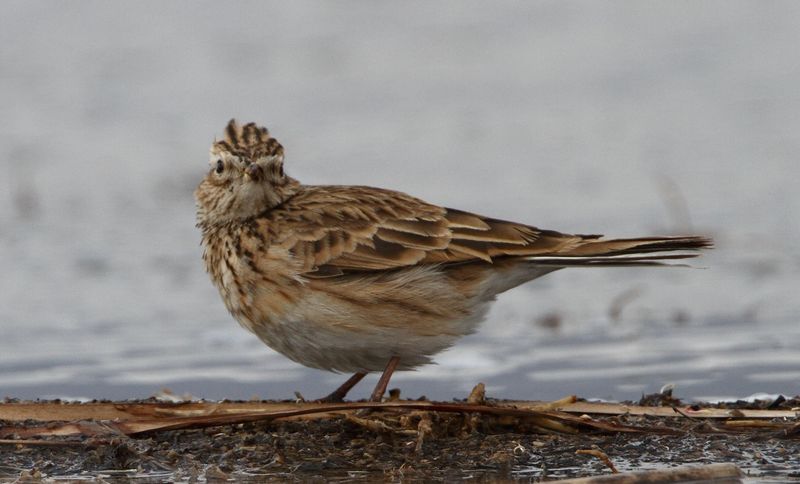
<point>592,120</point>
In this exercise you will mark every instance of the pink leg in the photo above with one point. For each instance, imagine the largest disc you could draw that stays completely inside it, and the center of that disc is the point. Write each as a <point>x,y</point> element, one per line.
<point>338,395</point>
<point>380,388</point>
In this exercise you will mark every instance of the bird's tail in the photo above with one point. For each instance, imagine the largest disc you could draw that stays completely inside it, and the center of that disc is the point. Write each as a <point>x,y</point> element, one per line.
<point>640,251</point>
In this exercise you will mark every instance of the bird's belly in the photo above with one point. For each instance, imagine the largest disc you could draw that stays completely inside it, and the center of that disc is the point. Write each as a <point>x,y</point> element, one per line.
<point>358,324</point>
<point>342,341</point>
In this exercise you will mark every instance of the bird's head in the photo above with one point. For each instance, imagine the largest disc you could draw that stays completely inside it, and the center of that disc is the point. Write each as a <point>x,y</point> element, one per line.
<point>245,176</point>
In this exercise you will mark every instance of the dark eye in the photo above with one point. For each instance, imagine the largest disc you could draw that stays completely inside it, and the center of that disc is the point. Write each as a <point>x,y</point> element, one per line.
<point>280,170</point>
<point>220,166</point>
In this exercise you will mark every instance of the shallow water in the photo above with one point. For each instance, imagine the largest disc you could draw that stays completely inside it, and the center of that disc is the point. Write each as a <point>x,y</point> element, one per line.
<point>594,118</point>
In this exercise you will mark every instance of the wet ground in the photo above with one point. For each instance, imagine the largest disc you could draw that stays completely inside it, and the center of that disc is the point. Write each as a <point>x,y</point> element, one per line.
<point>484,449</point>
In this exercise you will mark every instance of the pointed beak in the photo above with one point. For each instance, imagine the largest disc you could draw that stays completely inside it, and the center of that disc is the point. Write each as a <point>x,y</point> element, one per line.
<point>253,172</point>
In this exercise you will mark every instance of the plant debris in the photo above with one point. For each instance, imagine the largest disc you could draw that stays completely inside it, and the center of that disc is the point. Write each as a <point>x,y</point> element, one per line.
<point>393,439</point>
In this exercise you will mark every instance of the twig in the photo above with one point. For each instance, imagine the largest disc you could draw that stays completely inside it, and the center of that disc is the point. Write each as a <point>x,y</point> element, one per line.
<point>682,413</point>
<point>555,404</point>
<point>757,424</point>
<point>424,428</point>
<point>558,421</point>
<point>377,426</point>
<point>707,473</point>
<point>120,411</point>
<point>45,443</point>
<point>478,395</point>
<point>600,455</point>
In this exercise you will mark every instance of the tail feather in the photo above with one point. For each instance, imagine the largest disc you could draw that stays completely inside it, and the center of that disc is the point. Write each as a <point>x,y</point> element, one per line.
<point>642,251</point>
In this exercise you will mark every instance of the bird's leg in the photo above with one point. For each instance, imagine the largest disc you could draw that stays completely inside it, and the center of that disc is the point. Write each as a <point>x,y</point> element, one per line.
<point>383,382</point>
<point>338,395</point>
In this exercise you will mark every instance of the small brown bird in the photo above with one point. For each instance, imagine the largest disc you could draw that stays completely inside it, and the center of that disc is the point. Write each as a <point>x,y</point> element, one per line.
<point>361,279</point>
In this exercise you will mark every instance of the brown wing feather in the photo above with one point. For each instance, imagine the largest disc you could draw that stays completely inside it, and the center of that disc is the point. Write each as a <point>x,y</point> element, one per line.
<point>333,229</point>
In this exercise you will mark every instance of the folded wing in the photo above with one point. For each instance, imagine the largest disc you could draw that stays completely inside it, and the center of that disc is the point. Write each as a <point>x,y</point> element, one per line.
<point>334,230</point>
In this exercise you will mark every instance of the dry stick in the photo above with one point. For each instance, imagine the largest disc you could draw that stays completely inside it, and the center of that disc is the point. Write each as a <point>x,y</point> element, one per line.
<point>600,455</point>
<point>535,414</point>
<point>553,420</point>
<point>44,443</point>
<point>119,411</point>
<point>555,404</point>
<point>553,425</point>
<point>757,424</point>
<point>478,395</point>
<point>625,409</point>
<point>682,413</point>
<point>425,427</point>
<point>471,421</point>
<point>545,418</point>
<point>377,426</point>
<point>706,473</point>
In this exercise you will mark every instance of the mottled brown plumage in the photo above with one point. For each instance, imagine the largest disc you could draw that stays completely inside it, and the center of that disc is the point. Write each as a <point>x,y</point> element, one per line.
<point>345,278</point>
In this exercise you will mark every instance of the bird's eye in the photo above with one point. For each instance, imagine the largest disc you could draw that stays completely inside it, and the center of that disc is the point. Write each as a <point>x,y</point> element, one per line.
<point>220,166</point>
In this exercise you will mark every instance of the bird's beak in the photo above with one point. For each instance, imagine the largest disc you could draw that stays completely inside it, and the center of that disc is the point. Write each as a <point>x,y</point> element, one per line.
<point>253,172</point>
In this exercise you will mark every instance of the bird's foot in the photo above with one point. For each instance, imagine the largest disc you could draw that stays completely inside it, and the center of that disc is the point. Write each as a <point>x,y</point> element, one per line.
<point>337,396</point>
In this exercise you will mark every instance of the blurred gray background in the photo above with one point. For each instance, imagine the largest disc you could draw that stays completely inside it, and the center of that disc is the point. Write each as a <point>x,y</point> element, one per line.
<point>624,118</point>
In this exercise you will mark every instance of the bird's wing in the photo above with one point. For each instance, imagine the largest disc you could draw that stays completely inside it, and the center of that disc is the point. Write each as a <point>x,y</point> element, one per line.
<point>333,230</point>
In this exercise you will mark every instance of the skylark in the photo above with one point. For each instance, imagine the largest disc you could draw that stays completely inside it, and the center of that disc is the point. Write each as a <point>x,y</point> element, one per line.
<point>361,279</point>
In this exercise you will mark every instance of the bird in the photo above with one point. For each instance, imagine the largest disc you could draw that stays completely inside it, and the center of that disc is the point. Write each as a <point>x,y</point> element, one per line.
<point>357,279</point>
